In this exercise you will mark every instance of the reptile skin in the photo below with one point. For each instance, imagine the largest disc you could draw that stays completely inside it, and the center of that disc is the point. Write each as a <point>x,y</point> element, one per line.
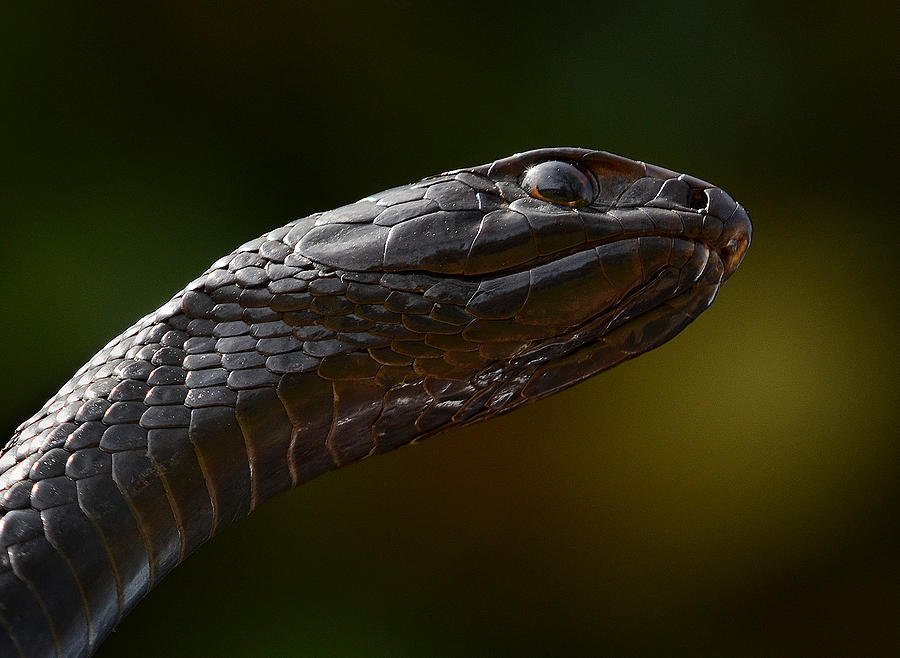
<point>342,335</point>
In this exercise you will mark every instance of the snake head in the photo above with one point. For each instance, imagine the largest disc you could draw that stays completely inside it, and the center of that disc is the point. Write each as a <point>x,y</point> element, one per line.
<point>544,254</point>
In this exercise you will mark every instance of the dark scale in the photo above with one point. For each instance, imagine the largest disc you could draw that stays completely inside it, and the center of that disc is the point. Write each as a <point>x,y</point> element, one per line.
<point>341,335</point>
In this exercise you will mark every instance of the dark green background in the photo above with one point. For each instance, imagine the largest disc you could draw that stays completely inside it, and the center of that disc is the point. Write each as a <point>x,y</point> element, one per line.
<point>732,493</point>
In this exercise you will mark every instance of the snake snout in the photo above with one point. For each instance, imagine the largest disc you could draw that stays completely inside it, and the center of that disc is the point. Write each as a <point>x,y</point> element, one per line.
<point>726,227</point>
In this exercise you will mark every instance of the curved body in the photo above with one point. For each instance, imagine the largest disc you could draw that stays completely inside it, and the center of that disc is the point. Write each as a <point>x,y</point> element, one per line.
<point>339,336</point>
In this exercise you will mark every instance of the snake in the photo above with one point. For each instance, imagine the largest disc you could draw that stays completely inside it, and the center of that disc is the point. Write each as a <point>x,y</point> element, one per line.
<point>341,335</point>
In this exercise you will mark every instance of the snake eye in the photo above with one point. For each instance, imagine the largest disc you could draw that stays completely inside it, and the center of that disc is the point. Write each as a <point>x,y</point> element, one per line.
<point>558,182</point>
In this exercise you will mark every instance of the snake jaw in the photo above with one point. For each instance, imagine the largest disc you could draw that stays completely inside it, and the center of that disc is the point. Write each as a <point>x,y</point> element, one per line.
<point>667,284</point>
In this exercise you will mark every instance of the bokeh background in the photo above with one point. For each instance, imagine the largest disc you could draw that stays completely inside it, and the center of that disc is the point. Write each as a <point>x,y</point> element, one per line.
<point>732,493</point>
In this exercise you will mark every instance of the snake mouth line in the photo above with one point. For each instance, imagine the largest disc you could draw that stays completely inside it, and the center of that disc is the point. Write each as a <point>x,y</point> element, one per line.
<point>730,245</point>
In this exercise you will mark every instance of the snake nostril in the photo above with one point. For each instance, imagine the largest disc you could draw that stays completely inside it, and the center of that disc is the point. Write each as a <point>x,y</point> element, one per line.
<point>697,198</point>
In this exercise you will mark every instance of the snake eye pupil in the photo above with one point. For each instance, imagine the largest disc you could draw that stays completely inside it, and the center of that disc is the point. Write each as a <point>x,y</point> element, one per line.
<point>558,182</point>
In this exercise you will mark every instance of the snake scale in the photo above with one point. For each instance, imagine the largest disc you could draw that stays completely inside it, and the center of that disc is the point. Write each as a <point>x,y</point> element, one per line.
<point>341,335</point>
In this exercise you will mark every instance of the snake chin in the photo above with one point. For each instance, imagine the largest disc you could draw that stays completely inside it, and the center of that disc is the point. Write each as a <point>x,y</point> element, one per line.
<point>646,317</point>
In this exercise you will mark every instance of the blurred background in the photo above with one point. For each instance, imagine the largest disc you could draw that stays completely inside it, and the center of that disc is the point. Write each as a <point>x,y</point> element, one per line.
<point>734,492</point>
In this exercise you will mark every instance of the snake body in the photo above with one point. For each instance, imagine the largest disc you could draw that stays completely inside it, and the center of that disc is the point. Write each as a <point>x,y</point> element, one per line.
<point>341,335</point>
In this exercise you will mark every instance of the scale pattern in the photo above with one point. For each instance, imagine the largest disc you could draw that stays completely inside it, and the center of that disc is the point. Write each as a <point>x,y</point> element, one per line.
<point>338,336</point>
